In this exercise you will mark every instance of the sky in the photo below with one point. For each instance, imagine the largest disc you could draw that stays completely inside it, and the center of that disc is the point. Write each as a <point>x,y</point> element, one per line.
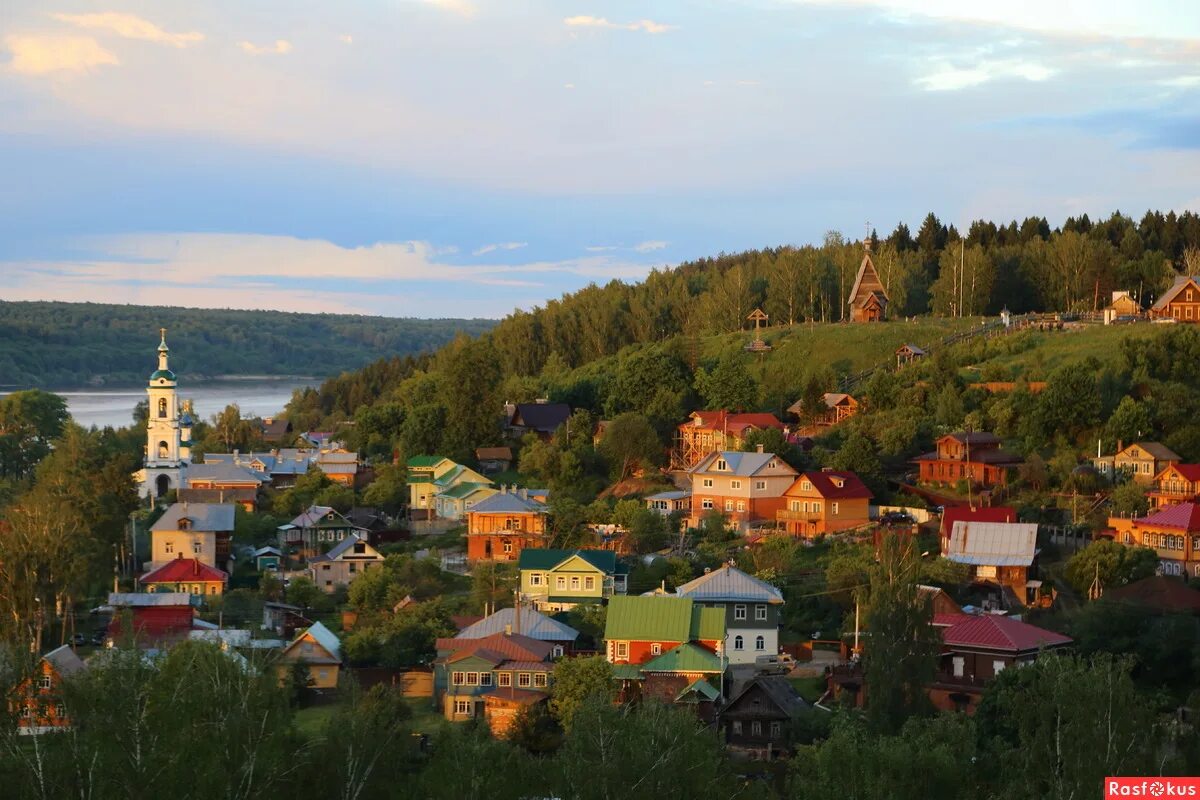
<point>463,158</point>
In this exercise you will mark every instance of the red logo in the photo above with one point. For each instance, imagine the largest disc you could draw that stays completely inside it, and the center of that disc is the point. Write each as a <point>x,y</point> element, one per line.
<point>1151,787</point>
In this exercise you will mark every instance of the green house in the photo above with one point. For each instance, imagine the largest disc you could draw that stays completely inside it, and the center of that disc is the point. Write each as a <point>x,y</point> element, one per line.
<point>558,580</point>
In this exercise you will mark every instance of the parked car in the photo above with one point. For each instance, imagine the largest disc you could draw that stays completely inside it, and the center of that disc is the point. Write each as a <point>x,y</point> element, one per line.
<point>779,664</point>
<point>896,518</point>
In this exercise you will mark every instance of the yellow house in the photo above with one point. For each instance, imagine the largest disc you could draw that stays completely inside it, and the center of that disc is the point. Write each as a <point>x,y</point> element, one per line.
<point>558,580</point>
<point>193,530</point>
<point>422,472</point>
<point>1140,460</point>
<point>189,575</point>
<point>317,649</point>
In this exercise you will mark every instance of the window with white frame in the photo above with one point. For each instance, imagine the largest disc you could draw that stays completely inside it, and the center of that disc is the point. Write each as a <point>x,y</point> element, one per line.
<point>776,729</point>
<point>735,484</point>
<point>760,643</point>
<point>574,583</point>
<point>622,649</point>
<point>806,486</point>
<point>169,547</point>
<point>507,546</point>
<point>706,504</point>
<point>462,707</point>
<point>197,547</point>
<point>795,505</point>
<point>760,612</point>
<point>998,667</point>
<point>656,649</point>
<point>504,679</point>
<point>535,579</point>
<point>472,679</point>
<point>722,464</point>
<point>485,679</point>
<point>739,643</point>
<point>729,505</point>
<point>707,483</point>
<point>524,679</point>
<point>45,682</point>
<point>741,505</point>
<point>539,680</point>
<point>589,583</point>
<point>739,611</point>
<point>756,728</point>
<point>834,509</point>
<point>816,508</point>
<point>560,582</point>
<point>760,485</point>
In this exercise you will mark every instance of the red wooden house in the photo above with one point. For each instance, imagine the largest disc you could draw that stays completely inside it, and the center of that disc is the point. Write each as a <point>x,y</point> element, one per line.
<point>1181,302</point>
<point>709,431</point>
<point>155,619</point>
<point>501,526</point>
<point>976,457</point>
<point>953,514</point>
<point>1177,483</point>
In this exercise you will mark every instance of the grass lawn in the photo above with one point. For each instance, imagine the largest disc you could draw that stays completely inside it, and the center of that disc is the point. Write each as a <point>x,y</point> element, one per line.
<point>425,719</point>
<point>1033,355</point>
<point>310,721</point>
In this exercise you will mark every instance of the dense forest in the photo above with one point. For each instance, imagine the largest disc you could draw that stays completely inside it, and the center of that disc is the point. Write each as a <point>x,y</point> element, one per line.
<point>68,345</point>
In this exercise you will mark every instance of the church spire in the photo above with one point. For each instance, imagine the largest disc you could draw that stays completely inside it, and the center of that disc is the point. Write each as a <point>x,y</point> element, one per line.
<point>163,350</point>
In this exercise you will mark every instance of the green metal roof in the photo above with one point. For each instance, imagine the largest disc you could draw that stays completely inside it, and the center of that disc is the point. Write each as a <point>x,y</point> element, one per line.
<point>686,657</point>
<point>664,619</point>
<point>464,490</point>
<point>697,690</point>
<point>708,623</point>
<point>162,373</point>
<point>548,559</point>
<point>417,462</point>
<point>627,672</point>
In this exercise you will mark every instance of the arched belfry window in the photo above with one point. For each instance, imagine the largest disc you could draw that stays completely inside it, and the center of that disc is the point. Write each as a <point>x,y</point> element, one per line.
<point>162,408</point>
<point>163,450</point>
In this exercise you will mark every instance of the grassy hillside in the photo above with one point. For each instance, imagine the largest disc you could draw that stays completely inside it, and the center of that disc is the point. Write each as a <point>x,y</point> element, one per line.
<point>64,345</point>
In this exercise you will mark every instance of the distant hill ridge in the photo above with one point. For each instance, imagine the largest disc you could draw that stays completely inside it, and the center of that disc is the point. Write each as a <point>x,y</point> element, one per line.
<point>67,345</point>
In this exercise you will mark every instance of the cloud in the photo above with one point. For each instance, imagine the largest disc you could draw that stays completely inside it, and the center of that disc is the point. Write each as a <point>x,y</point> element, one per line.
<point>346,38</point>
<point>263,271</point>
<point>130,27</point>
<point>601,248</point>
<point>463,8</point>
<point>946,77</point>
<point>568,86</point>
<point>280,48</point>
<point>651,246</point>
<point>42,55</point>
<point>643,25</point>
<point>489,248</point>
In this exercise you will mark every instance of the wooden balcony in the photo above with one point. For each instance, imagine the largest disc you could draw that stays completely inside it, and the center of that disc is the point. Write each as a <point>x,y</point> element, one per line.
<point>784,515</point>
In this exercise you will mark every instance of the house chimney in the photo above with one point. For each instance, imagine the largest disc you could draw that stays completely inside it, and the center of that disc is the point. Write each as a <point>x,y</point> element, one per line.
<point>524,493</point>
<point>504,488</point>
<point>1120,445</point>
<point>759,448</point>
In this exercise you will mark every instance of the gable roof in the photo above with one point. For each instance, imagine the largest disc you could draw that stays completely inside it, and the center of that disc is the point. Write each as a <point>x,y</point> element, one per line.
<point>1159,593</point>
<point>223,471</point>
<point>345,546</point>
<point>461,491</point>
<point>733,423</point>
<point>972,437</point>
<point>778,691</point>
<point>532,624</point>
<point>953,514</point>
<point>548,559</point>
<point>663,619</point>
<point>541,417</point>
<point>204,517</point>
<point>64,660</point>
<point>911,349</point>
<point>701,687</point>
<point>997,544</point>
<point>740,464</point>
<point>867,283</point>
<point>508,503</point>
<point>182,570</point>
<point>497,647</point>
<point>686,657</point>
<point>424,462</point>
<point>1189,472</point>
<point>825,483</point>
<point>322,636</point>
<point>730,584</point>
<point>1001,633</point>
<point>1182,516</point>
<point>1157,450</point>
<point>1169,295</point>
<point>315,515</point>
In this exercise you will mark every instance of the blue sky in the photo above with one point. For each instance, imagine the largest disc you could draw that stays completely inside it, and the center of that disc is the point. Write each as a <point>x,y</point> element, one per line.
<point>467,157</point>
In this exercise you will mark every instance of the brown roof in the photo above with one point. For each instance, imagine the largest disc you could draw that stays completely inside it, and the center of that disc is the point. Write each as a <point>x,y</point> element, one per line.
<point>867,283</point>
<point>1158,592</point>
<point>825,483</point>
<point>1160,452</point>
<point>497,647</point>
<point>493,453</point>
<point>1169,295</point>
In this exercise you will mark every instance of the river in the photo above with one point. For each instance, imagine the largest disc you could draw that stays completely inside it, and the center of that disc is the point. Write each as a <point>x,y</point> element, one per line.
<point>114,407</point>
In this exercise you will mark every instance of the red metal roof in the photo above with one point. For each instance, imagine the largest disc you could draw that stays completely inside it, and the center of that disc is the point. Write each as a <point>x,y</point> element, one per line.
<point>735,423</point>
<point>948,619</point>
<point>953,514</point>
<point>826,484</point>
<point>1183,516</point>
<point>1001,633</point>
<point>498,647</point>
<point>1189,472</point>
<point>184,569</point>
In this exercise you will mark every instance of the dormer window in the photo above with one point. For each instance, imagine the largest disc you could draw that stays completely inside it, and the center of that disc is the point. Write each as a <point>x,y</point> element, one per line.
<point>771,464</point>
<point>806,486</point>
<point>838,482</point>
<point>722,464</point>
<point>185,524</point>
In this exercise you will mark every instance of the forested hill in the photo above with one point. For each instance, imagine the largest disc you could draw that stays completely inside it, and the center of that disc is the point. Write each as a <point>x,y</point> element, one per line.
<point>65,345</point>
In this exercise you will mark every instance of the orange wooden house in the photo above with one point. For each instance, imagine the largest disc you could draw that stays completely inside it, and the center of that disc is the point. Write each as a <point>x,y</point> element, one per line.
<point>38,700</point>
<point>1172,532</point>
<point>825,502</point>
<point>501,526</point>
<point>1178,483</point>
<point>868,297</point>
<point>976,457</point>
<point>1181,302</point>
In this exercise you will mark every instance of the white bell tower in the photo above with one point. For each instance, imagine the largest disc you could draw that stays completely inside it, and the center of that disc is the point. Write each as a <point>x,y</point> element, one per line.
<point>165,458</point>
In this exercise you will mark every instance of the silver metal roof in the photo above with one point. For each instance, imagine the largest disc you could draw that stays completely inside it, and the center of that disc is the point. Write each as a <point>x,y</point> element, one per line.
<point>996,544</point>
<point>730,584</point>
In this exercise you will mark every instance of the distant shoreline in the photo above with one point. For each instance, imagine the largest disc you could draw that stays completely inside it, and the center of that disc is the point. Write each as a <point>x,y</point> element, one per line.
<point>189,381</point>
